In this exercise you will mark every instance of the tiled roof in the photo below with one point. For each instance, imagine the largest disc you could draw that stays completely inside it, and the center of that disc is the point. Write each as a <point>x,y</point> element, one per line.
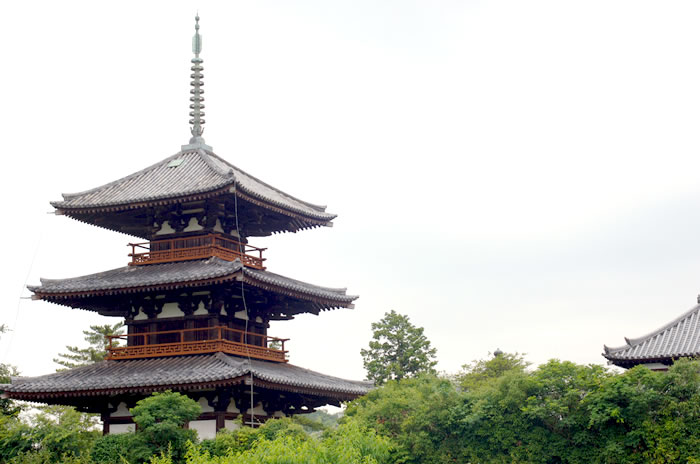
<point>679,338</point>
<point>110,377</point>
<point>129,279</point>
<point>184,174</point>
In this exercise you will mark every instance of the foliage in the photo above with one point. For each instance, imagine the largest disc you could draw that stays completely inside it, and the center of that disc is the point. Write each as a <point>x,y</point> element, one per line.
<point>317,421</point>
<point>55,434</point>
<point>160,419</point>
<point>120,447</point>
<point>559,413</point>
<point>64,431</point>
<point>281,442</point>
<point>15,437</point>
<point>398,350</point>
<point>244,438</point>
<point>412,413</point>
<point>95,352</point>
<point>482,372</point>
<point>7,406</point>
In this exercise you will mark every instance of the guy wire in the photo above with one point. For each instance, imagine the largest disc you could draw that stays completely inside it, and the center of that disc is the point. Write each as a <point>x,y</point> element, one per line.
<point>245,307</point>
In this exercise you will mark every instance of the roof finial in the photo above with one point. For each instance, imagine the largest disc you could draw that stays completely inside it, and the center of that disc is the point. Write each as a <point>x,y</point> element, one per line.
<point>197,98</point>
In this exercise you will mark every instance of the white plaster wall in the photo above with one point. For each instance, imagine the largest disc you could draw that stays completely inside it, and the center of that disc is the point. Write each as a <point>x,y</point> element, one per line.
<point>200,309</point>
<point>165,229</point>
<point>121,428</point>
<point>258,410</point>
<point>170,310</point>
<point>122,411</point>
<point>231,425</point>
<point>205,428</point>
<point>193,225</point>
<point>218,227</point>
<point>241,315</point>
<point>205,405</point>
<point>140,316</point>
<point>278,414</point>
<point>232,407</point>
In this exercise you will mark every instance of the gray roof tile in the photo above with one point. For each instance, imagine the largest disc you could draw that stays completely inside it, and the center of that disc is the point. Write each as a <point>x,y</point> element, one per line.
<point>199,172</point>
<point>181,370</point>
<point>679,338</point>
<point>154,275</point>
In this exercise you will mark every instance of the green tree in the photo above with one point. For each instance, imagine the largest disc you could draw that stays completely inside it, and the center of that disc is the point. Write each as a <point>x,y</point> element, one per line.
<point>398,350</point>
<point>481,372</point>
<point>7,371</point>
<point>415,414</point>
<point>53,434</point>
<point>161,419</point>
<point>95,352</point>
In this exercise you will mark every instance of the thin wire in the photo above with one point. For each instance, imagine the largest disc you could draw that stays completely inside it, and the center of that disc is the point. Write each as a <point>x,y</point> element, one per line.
<point>21,290</point>
<point>245,307</point>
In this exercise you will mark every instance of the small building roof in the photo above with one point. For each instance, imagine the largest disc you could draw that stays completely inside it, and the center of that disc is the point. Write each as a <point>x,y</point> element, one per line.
<point>180,373</point>
<point>189,175</point>
<point>677,339</point>
<point>77,291</point>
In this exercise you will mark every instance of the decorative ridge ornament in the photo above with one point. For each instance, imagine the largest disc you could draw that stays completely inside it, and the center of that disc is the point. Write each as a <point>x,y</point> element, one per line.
<point>197,93</point>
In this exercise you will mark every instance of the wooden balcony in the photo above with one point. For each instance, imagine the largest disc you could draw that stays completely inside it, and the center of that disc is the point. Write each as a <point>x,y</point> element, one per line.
<point>197,247</point>
<point>197,341</point>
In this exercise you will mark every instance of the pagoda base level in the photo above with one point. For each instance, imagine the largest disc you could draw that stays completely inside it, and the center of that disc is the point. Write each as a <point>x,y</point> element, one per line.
<point>207,424</point>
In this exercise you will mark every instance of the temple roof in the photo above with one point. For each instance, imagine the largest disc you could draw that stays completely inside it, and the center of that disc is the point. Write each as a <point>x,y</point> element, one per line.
<point>184,274</point>
<point>181,373</point>
<point>191,174</point>
<point>679,338</point>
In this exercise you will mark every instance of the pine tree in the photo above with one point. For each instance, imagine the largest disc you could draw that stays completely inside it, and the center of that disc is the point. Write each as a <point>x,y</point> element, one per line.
<point>96,352</point>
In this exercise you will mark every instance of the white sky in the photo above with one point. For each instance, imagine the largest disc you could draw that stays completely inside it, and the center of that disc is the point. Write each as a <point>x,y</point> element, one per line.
<point>518,175</point>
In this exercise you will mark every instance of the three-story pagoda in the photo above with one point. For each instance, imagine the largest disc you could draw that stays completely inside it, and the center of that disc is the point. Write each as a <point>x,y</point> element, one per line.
<point>196,296</point>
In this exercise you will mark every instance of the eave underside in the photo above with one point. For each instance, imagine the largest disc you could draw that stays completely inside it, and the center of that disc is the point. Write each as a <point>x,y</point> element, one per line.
<point>255,217</point>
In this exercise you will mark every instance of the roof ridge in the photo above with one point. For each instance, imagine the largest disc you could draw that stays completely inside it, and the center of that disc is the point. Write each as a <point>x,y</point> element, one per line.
<point>68,196</point>
<point>632,342</point>
<point>226,359</point>
<point>206,157</point>
<point>320,208</point>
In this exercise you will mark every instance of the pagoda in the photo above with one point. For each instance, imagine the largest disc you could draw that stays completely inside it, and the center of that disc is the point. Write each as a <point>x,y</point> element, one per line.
<point>196,297</point>
<point>657,350</point>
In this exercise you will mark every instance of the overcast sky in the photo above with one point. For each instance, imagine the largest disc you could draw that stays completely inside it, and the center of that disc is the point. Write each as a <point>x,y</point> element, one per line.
<point>517,175</point>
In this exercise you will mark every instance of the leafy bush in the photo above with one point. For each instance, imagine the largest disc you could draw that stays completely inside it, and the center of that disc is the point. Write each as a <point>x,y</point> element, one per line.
<point>245,438</point>
<point>161,418</point>
<point>116,448</point>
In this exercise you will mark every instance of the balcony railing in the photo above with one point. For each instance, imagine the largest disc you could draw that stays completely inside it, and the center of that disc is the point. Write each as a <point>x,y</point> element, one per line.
<point>197,247</point>
<point>197,341</point>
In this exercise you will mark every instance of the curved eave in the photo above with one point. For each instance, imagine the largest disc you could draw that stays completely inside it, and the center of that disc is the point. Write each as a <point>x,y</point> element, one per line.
<point>147,389</point>
<point>319,299</point>
<point>298,221</point>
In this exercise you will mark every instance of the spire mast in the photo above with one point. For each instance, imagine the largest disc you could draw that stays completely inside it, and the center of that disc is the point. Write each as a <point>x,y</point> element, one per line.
<point>197,92</point>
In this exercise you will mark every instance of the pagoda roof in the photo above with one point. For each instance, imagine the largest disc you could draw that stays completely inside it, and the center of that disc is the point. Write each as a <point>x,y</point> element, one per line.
<point>677,339</point>
<point>190,175</point>
<point>180,373</point>
<point>184,274</point>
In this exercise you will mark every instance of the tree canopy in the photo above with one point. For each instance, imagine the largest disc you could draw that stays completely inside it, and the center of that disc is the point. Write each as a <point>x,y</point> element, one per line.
<point>398,350</point>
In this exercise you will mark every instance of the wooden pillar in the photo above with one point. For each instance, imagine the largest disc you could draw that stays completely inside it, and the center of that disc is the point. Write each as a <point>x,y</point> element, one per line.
<point>105,423</point>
